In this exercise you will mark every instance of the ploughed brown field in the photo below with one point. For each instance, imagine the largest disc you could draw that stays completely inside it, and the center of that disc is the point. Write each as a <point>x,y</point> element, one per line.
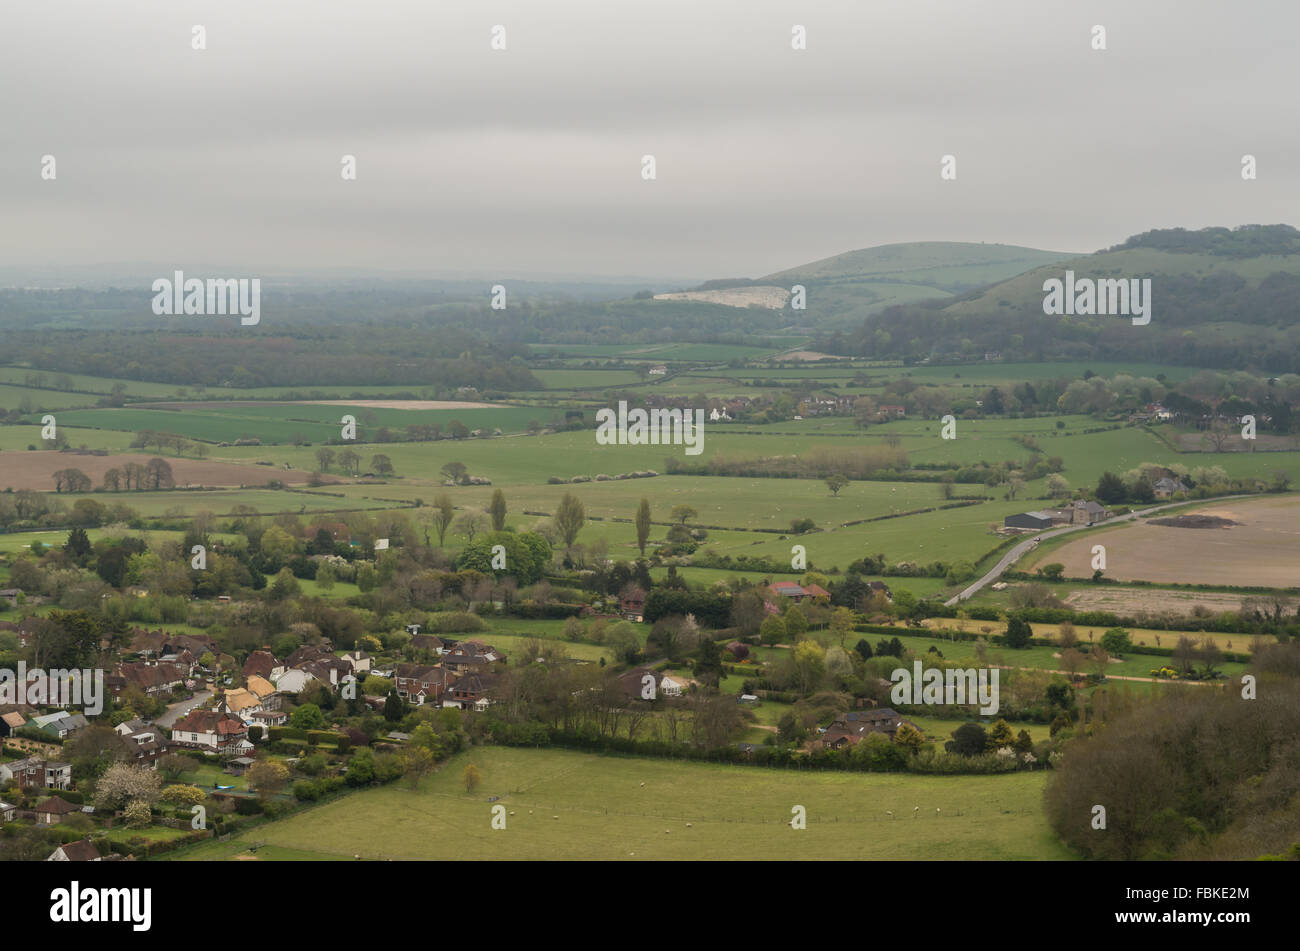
<point>1263,549</point>
<point>35,470</point>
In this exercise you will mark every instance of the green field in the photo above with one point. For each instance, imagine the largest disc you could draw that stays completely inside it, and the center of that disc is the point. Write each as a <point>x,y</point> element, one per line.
<point>620,808</point>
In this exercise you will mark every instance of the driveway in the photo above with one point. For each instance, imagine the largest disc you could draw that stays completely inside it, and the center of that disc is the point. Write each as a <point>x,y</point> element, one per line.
<point>177,710</point>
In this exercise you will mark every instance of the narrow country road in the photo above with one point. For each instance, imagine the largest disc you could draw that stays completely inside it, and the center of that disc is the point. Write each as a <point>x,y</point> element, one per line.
<point>1012,556</point>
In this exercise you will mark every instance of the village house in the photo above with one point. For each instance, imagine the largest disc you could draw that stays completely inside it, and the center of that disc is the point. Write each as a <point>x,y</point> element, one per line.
<point>304,654</point>
<point>1085,512</point>
<point>154,680</point>
<point>470,692</point>
<point>359,660</point>
<point>262,663</point>
<point>37,774</point>
<point>328,669</point>
<point>8,811</point>
<point>242,703</point>
<point>850,728</point>
<point>82,850</point>
<point>53,810</point>
<point>632,604</point>
<point>797,592</point>
<point>213,731</point>
<point>11,596</point>
<point>421,683</point>
<point>148,742</point>
<point>635,685</point>
<point>673,686</point>
<point>1165,488</point>
<point>293,681</point>
<point>265,691</point>
<point>429,642</point>
<point>471,656</point>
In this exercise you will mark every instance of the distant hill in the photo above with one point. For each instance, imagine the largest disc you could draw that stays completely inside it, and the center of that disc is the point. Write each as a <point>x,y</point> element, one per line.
<point>844,289</point>
<point>1220,298</point>
<point>948,266</point>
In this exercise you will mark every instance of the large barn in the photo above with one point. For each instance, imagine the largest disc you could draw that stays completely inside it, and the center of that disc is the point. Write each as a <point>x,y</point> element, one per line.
<point>1032,521</point>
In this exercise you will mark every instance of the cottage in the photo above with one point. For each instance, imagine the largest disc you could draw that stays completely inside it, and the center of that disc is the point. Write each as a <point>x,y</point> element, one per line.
<point>673,686</point>
<point>264,690</point>
<point>1085,513</point>
<point>632,605</point>
<point>1165,488</point>
<point>83,850</point>
<point>242,703</point>
<point>8,811</point>
<point>52,811</point>
<point>359,660</point>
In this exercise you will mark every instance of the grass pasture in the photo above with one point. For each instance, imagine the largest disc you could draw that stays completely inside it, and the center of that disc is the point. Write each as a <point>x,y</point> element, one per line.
<point>614,808</point>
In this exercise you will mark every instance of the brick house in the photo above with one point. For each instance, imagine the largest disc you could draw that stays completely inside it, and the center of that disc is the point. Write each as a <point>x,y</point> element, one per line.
<point>421,683</point>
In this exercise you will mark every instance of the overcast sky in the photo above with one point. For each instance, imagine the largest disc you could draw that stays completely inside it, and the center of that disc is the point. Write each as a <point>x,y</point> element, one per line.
<point>527,161</point>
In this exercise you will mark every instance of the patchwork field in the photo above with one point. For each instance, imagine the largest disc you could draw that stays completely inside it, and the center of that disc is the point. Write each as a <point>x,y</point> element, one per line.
<point>1262,550</point>
<point>570,805</point>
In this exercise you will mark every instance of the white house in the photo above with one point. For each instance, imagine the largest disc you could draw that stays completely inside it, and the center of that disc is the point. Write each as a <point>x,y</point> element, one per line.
<point>672,686</point>
<point>292,681</point>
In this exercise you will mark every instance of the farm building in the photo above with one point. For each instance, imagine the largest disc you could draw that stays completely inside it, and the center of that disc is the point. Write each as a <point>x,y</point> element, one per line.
<point>1029,521</point>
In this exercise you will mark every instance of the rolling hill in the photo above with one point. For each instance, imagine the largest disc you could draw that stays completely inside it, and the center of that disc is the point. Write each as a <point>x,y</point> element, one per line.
<point>1220,298</point>
<point>845,288</point>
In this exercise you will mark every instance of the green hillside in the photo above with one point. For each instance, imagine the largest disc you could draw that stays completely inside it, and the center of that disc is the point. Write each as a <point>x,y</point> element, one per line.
<point>948,266</point>
<point>1219,298</point>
